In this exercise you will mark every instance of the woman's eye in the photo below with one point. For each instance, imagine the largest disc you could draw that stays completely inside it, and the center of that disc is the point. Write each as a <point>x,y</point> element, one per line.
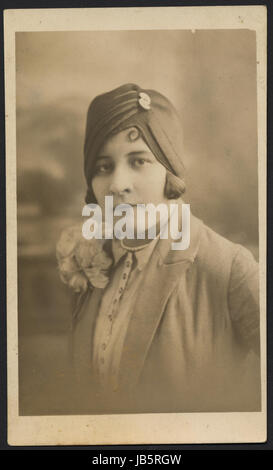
<point>138,162</point>
<point>102,168</point>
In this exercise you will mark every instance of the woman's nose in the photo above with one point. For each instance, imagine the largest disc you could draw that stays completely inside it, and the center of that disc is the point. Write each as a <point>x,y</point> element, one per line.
<point>121,182</point>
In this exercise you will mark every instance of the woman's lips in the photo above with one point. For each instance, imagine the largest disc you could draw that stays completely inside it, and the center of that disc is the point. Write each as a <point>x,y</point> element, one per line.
<point>125,204</point>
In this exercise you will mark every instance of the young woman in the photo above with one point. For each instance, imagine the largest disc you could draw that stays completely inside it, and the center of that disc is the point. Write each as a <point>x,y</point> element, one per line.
<point>157,329</point>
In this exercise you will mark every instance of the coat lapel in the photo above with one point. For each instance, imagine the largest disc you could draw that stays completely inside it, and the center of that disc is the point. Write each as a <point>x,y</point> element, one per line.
<point>159,282</point>
<point>163,272</point>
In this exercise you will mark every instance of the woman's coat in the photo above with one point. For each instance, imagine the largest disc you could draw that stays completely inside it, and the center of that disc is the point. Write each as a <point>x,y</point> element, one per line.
<point>191,338</point>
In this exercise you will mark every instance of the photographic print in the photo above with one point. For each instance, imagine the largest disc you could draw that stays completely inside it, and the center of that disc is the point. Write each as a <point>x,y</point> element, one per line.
<point>136,221</point>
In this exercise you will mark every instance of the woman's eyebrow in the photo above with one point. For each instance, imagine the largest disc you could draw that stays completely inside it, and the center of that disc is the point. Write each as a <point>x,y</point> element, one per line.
<point>135,153</point>
<point>101,157</point>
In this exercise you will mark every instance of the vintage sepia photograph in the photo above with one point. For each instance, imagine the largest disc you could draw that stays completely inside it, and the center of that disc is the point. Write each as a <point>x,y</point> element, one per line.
<point>136,194</point>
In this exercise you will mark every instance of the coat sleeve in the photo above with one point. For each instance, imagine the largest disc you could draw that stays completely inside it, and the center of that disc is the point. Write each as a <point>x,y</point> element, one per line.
<point>243,299</point>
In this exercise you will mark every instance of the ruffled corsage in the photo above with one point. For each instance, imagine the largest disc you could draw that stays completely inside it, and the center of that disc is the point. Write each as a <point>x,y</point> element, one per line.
<point>82,263</point>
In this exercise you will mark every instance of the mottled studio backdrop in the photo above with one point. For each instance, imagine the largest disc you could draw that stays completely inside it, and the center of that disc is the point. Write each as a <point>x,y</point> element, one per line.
<point>210,76</point>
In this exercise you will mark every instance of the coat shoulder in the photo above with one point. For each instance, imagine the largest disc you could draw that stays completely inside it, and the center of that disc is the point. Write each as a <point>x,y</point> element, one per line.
<point>212,245</point>
<point>218,257</point>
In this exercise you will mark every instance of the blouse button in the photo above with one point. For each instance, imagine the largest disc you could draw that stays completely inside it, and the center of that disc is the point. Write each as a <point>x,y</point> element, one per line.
<point>110,317</point>
<point>120,290</point>
<point>127,264</point>
<point>103,346</point>
<point>124,276</point>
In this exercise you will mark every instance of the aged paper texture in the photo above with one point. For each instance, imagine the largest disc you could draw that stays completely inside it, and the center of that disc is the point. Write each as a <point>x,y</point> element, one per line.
<point>211,63</point>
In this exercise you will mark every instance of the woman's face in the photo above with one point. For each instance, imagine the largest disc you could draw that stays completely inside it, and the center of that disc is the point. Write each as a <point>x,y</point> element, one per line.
<point>127,169</point>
